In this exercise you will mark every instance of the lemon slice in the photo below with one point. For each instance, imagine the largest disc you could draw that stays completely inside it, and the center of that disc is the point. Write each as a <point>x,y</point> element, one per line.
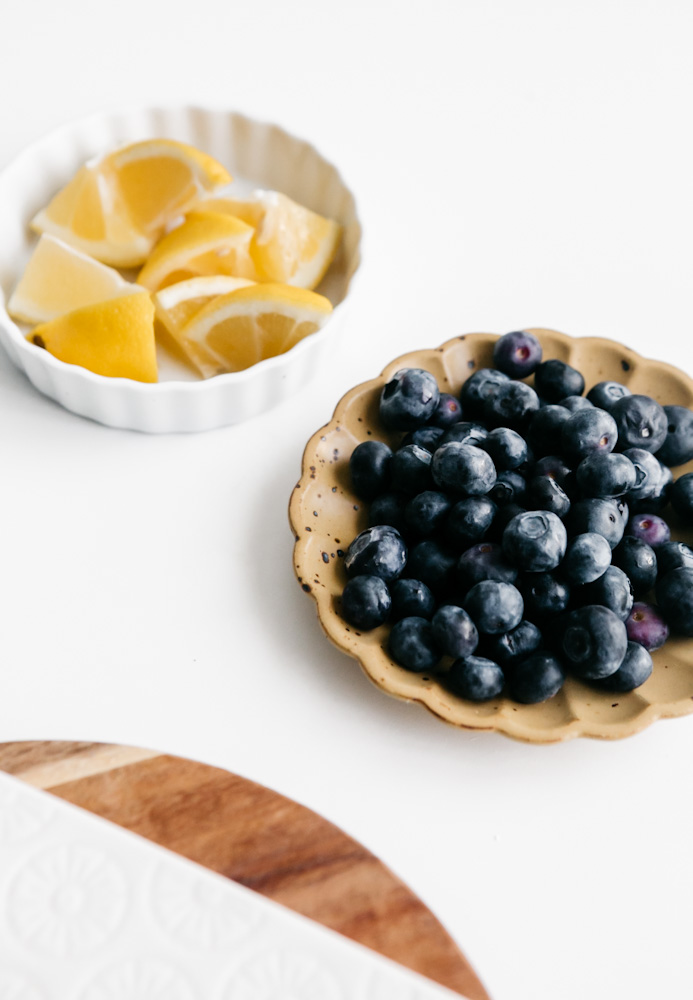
<point>177,304</point>
<point>206,243</point>
<point>237,330</point>
<point>291,245</point>
<point>114,338</point>
<point>58,279</point>
<point>117,206</point>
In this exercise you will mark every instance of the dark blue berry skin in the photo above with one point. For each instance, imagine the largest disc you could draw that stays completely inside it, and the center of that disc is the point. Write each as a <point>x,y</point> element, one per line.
<point>545,429</point>
<point>641,422</point>
<point>484,561</point>
<point>535,541</point>
<point>366,602</point>
<point>377,551</point>
<point>369,466</point>
<point>594,642</point>
<point>410,469</point>
<point>536,678</point>
<point>468,521</point>
<point>426,437</point>
<point>388,509</point>
<point>678,444</point>
<point>412,645</point>
<point>657,501</point>
<point>544,493</point>
<point>648,474</point>
<point>463,468</point>
<point>554,380</point>
<point>507,448</point>
<point>602,516</point>
<point>672,555</point>
<point>613,590</point>
<point>432,563</point>
<point>587,557</point>
<point>476,678</point>
<point>512,405</point>
<point>465,432</point>
<point>556,467</point>
<point>649,528</point>
<point>634,670</point>
<point>674,593</point>
<point>681,497</point>
<point>606,476</point>
<point>574,403</point>
<point>638,561</point>
<point>426,512</point>
<point>409,399</point>
<point>509,487</point>
<point>411,598</point>
<point>504,516</point>
<point>478,387</point>
<point>544,595</point>
<point>517,354</point>
<point>587,431</point>
<point>511,647</point>
<point>454,631</point>
<point>447,412</point>
<point>605,395</point>
<point>646,625</point>
<point>494,606</point>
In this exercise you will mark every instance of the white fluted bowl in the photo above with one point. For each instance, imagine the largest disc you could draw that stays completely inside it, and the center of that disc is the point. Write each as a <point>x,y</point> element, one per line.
<point>261,154</point>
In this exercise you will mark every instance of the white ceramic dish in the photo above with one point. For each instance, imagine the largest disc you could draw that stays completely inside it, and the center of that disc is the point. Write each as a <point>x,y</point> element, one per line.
<point>256,153</point>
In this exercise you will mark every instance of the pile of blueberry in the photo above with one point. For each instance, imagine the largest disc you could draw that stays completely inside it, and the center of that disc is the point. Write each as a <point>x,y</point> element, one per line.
<point>516,532</point>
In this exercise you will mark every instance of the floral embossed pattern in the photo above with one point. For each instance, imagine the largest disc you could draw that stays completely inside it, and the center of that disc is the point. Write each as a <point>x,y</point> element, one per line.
<point>14,987</point>
<point>139,980</point>
<point>281,976</point>
<point>20,820</point>
<point>326,516</point>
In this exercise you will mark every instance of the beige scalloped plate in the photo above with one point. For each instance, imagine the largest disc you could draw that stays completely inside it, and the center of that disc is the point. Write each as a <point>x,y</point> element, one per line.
<point>325,516</point>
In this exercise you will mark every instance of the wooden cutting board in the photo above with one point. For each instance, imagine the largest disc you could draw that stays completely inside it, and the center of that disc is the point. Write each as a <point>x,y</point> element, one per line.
<point>254,836</point>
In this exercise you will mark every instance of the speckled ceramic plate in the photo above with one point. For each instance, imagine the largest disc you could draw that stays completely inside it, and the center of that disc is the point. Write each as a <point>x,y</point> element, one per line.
<point>325,516</point>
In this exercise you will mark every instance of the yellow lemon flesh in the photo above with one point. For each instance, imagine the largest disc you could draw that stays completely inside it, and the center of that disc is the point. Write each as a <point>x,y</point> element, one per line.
<point>114,338</point>
<point>176,304</point>
<point>240,329</point>
<point>58,279</point>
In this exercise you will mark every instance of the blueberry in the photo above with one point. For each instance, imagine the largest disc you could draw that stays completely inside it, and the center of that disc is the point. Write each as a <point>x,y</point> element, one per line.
<point>646,625</point>
<point>594,641</point>
<point>409,399</point>
<point>412,645</point>
<point>432,563</point>
<point>494,606</point>
<point>388,509</point>
<point>478,387</point>
<point>545,429</point>
<point>605,475</point>
<point>649,528</point>
<point>509,487</point>
<point>447,412</point>
<point>587,431</point>
<point>476,678</point>
<point>425,437</point>
<point>484,561</point>
<point>544,595</point>
<point>678,444</point>
<point>556,467</point>
<point>369,466</point>
<point>672,555</point>
<point>544,493</point>
<point>517,354</point>
<point>411,469</point>
<point>648,474</point>
<point>638,561</point>
<point>504,516</point>
<point>554,380</point>
<point>454,631</point>
<point>469,520</point>
<point>426,511</point>
<point>507,448</point>
<point>634,670</point>
<point>574,403</point>
<point>602,516</point>
<point>675,598</point>
<point>658,500</point>
<point>605,395</point>
<point>366,602</point>
<point>377,551</point>
<point>613,590</point>
<point>513,646</point>
<point>641,422</point>
<point>536,678</point>
<point>587,557</point>
<point>465,432</point>
<point>535,541</point>
<point>681,497</point>
<point>512,405</point>
<point>411,598</point>
<point>463,468</point>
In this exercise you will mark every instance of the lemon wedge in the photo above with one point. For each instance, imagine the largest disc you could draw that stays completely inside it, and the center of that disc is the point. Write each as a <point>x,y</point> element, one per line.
<point>117,206</point>
<point>237,330</point>
<point>114,338</point>
<point>176,304</point>
<point>58,279</point>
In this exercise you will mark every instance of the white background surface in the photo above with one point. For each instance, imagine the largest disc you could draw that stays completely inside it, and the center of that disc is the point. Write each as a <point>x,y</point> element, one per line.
<point>516,164</point>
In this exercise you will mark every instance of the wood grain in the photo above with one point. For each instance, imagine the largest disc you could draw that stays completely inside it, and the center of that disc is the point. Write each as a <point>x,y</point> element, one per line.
<point>253,836</point>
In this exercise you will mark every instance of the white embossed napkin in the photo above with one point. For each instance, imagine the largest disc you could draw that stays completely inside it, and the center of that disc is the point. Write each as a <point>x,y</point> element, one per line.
<point>89,911</point>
